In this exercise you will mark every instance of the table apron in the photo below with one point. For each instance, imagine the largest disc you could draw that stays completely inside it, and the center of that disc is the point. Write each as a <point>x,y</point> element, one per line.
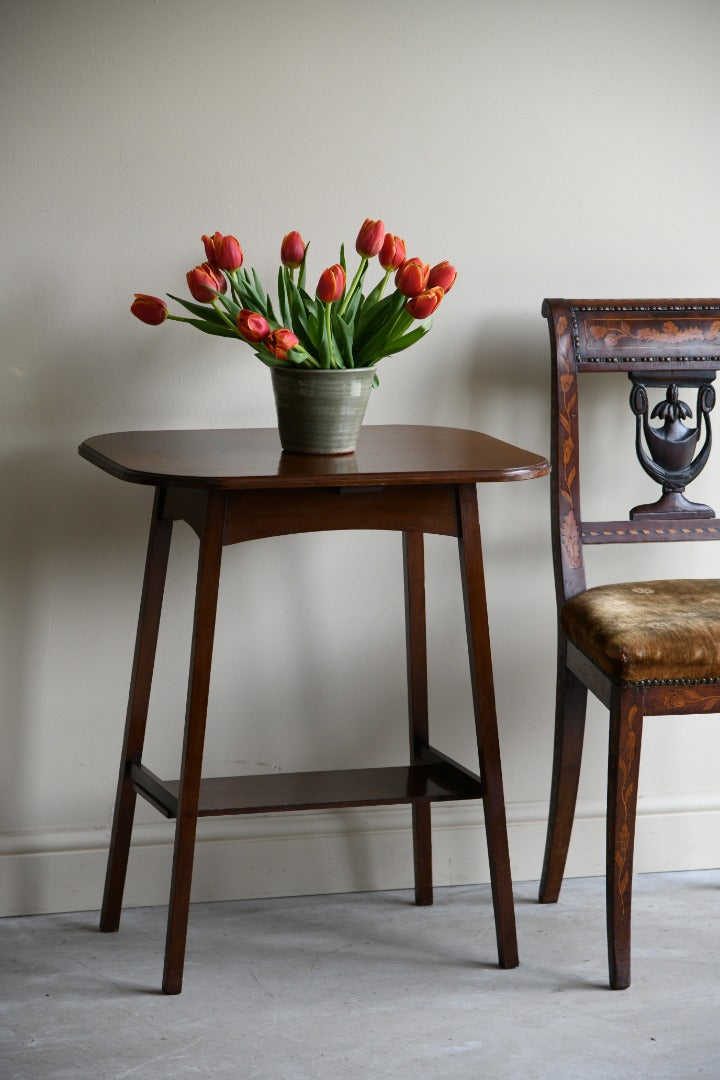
<point>252,515</point>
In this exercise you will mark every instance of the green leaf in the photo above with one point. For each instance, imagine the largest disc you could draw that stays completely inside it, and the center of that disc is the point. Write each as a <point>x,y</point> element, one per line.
<point>315,329</point>
<point>301,328</point>
<point>301,275</point>
<point>351,311</point>
<point>399,344</point>
<point>285,312</point>
<point>223,330</point>
<point>379,328</point>
<point>259,287</point>
<point>267,357</point>
<point>229,304</point>
<point>375,294</point>
<point>249,295</point>
<point>344,339</point>
<point>305,322</point>
<point>380,315</point>
<point>203,311</point>
<point>297,357</point>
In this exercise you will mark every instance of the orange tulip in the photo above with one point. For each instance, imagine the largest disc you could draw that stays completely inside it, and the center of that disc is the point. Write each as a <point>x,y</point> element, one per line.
<point>423,305</point>
<point>280,342</point>
<point>331,285</point>
<point>443,274</point>
<point>370,238</point>
<point>411,278</point>
<point>292,250</point>
<point>149,309</point>
<point>204,282</point>
<point>252,326</point>
<point>392,252</point>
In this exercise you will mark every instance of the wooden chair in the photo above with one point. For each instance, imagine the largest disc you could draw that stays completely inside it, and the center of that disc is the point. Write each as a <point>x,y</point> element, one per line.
<point>643,648</point>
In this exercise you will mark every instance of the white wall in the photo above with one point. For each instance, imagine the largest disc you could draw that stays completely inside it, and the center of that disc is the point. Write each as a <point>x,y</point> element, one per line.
<point>547,147</point>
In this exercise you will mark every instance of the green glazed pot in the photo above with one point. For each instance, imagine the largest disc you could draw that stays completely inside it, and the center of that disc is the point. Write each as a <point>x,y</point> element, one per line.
<point>320,411</point>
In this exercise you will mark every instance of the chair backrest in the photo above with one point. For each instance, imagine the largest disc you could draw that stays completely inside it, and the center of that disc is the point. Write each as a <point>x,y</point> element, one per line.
<point>667,345</point>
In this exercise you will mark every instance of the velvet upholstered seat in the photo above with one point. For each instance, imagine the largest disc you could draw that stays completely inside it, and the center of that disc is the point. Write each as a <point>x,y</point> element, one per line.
<point>644,648</point>
<point>649,631</point>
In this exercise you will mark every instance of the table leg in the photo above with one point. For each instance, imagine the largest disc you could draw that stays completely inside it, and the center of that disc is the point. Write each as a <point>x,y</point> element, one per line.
<point>478,635</point>
<point>208,579</point>
<point>136,721</point>
<point>416,638</point>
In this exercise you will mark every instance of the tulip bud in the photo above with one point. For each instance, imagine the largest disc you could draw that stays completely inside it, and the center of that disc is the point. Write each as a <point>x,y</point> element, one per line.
<point>292,250</point>
<point>370,238</point>
<point>331,285</point>
<point>423,305</point>
<point>392,252</point>
<point>252,326</point>
<point>149,309</point>
<point>411,278</point>
<point>204,282</point>
<point>280,342</point>
<point>223,252</point>
<point>443,274</point>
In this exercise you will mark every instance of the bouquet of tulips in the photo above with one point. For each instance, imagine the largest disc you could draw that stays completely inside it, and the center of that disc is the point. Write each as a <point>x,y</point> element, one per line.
<point>338,327</point>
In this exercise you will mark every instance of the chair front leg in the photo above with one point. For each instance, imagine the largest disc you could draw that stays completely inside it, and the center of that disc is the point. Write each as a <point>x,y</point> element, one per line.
<point>570,709</point>
<point>626,721</point>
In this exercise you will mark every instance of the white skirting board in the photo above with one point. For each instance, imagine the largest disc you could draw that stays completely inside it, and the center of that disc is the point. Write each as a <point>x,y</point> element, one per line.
<point>318,852</point>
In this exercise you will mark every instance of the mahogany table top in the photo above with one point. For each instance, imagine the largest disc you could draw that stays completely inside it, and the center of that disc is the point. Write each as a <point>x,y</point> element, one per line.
<point>252,458</point>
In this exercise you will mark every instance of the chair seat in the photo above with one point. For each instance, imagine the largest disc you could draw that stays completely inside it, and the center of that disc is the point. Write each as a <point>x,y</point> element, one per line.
<point>644,631</point>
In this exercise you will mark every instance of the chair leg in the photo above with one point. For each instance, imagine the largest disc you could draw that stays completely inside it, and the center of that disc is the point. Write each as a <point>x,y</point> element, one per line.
<point>414,572</point>
<point>626,721</point>
<point>478,636</point>
<point>136,722</point>
<point>208,579</point>
<point>570,711</point>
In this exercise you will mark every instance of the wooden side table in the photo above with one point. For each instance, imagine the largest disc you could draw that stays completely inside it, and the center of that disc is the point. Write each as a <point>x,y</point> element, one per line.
<point>235,485</point>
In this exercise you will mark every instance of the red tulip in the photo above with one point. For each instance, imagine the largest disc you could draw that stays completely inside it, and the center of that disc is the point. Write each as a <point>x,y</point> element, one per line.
<point>252,326</point>
<point>223,252</point>
<point>370,238</point>
<point>292,250</point>
<point>280,342</point>
<point>204,282</point>
<point>149,309</point>
<point>444,275</point>
<point>411,278</point>
<point>331,285</point>
<point>423,305</point>
<point>392,252</point>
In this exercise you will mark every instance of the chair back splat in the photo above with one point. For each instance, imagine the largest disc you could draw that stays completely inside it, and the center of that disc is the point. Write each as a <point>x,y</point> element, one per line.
<point>643,648</point>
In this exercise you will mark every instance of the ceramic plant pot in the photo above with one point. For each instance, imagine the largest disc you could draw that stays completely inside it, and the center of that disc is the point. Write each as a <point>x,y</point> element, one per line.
<point>320,411</point>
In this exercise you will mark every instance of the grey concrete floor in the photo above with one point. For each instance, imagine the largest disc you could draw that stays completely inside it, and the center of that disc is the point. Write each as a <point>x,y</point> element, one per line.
<point>367,986</point>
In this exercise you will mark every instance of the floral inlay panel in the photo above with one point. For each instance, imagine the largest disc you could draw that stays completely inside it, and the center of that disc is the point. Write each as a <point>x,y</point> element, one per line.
<point>641,334</point>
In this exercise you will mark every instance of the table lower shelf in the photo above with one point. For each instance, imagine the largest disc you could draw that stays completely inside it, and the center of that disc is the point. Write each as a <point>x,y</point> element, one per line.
<point>436,780</point>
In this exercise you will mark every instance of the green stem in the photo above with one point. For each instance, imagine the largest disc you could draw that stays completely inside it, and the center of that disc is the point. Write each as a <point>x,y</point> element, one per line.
<point>328,330</point>
<point>231,274</point>
<point>349,294</point>
<point>223,315</point>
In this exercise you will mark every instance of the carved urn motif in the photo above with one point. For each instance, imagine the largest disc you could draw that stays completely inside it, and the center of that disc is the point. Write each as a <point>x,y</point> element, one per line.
<point>670,456</point>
